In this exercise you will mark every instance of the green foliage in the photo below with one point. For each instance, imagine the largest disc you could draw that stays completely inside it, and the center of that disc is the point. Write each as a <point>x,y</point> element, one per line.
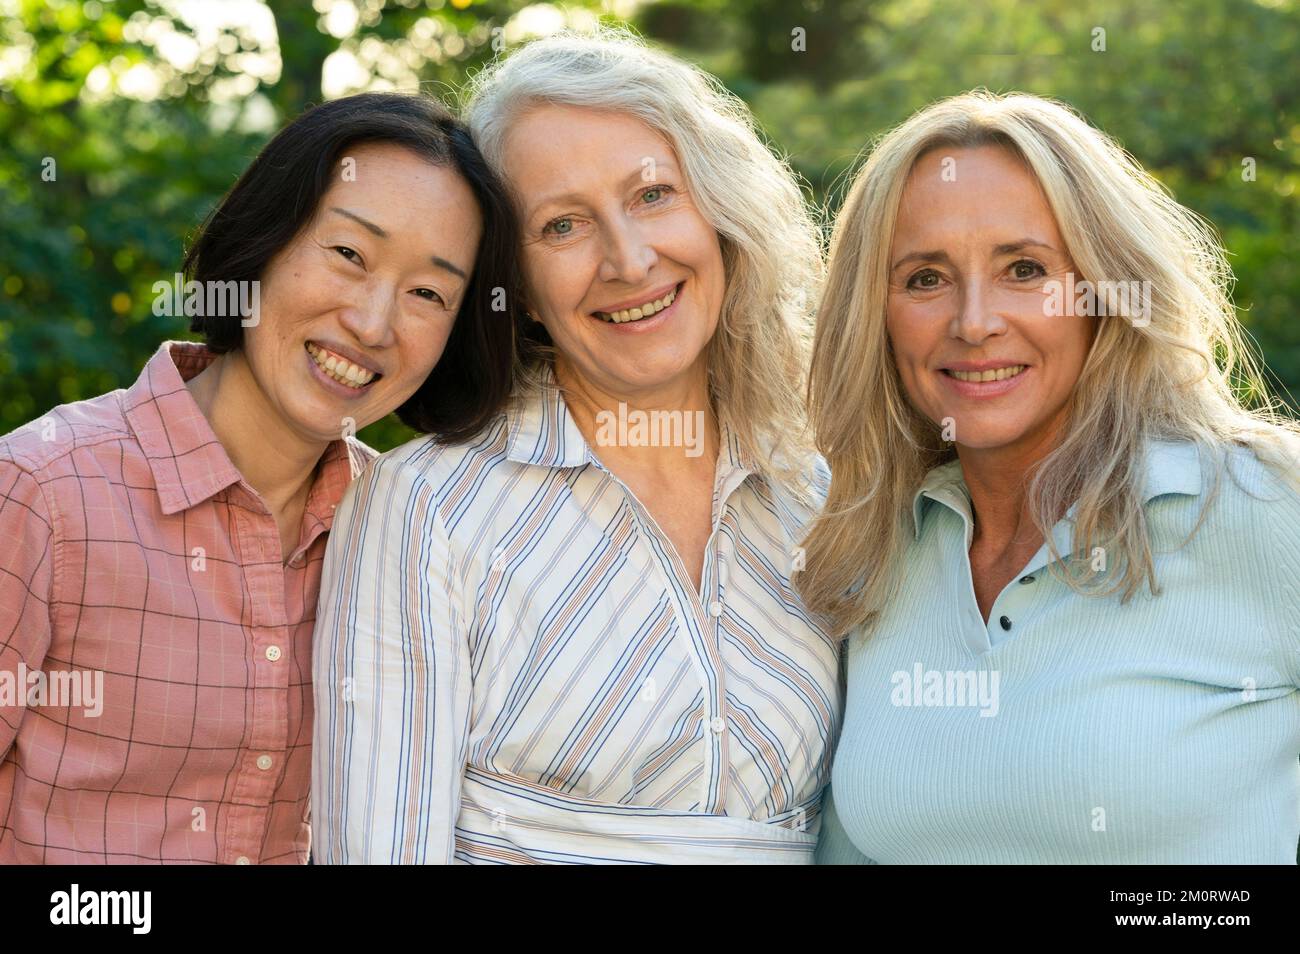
<point>1191,90</point>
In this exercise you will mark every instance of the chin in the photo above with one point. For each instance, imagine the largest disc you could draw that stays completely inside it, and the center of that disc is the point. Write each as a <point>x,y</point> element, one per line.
<point>990,438</point>
<point>324,422</point>
<point>655,375</point>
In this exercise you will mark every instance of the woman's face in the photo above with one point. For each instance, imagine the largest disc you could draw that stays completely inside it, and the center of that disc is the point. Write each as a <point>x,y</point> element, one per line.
<point>974,245</point>
<point>356,310</point>
<point>619,264</point>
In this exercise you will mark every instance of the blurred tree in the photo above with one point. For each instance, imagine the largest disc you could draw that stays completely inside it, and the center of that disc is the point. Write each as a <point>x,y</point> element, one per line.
<point>124,122</point>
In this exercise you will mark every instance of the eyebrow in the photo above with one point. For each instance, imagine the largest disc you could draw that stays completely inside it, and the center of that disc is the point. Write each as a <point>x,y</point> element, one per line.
<point>934,256</point>
<point>369,226</point>
<point>1008,248</point>
<point>937,255</point>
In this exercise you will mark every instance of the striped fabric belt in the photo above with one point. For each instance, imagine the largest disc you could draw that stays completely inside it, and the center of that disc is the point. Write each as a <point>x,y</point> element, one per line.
<point>505,820</point>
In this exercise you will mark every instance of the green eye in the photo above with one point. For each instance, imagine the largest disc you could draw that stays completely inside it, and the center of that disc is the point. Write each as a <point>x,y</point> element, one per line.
<point>560,226</point>
<point>653,193</point>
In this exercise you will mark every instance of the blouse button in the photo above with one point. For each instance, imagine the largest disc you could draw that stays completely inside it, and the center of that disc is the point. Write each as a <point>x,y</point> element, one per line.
<point>264,762</point>
<point>242,860</point>
<point>717,724</point>
<point>273,653</point>
<point>1006,622</point>
<point>1026,579</point>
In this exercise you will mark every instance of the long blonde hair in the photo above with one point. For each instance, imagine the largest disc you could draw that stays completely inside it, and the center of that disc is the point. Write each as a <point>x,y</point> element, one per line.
<point>770,243</point>
<point>1184,376</point>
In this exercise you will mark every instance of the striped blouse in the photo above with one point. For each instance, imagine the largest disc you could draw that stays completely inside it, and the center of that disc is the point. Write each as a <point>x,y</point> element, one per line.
<point>513,666</point>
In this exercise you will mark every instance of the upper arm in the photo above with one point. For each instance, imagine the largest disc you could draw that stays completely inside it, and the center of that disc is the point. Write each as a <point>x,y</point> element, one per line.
<point>391,675</point>
<point>26,582</point>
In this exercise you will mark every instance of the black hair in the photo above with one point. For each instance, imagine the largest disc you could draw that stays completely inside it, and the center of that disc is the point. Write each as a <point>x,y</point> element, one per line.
<point>278,195</point>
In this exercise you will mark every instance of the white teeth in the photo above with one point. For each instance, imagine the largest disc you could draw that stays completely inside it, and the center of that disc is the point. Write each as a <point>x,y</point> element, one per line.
<point>339,368</point>
<point>997,374</point>
<point>644,311</point>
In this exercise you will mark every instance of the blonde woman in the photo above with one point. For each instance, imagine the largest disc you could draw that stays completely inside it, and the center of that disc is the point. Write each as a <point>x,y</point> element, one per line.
<point>574,640</point>
<point>1065,553</point>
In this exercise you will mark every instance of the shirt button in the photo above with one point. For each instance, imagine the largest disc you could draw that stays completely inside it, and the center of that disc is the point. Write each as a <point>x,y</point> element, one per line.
<point>273,653</point>
<point>718,724</point>
<point>1026,579</point>
<point>1006,622</point>
<point>715,608</point>
<point>242,860</point>
<point>264,762</point>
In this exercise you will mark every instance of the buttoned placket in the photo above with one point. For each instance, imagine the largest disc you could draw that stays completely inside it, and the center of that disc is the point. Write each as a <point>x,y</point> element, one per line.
<point>262,762</point>
<point>1010,608</point>
<point>705,611</point>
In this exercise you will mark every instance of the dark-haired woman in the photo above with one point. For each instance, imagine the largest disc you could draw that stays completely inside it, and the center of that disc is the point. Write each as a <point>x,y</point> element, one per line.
<point>159,580</point>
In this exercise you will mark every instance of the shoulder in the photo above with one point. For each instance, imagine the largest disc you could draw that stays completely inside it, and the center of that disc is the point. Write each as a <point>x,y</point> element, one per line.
<point>1255,488</point>
<point>799,493</point>
<point>81,441</point>
<point>45,446</point>
<point>428,466</point>
<point>433,458</point>
<point>1250,527</point>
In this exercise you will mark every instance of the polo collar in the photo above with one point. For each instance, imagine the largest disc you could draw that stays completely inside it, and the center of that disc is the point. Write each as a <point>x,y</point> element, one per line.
<point>1171,467</point>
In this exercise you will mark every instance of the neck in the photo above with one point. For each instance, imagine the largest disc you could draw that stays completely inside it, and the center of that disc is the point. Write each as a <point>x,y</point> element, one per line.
<point>271,456</point>
<point>998,481</point>
<point>595,410</point>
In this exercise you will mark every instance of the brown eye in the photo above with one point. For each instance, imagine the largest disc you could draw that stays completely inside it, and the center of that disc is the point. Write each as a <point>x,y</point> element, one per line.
<point>925,280</point>
<point>1027,268</point>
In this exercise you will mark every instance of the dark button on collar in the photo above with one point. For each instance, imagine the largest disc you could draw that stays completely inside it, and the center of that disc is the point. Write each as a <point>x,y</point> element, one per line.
<point>1026,579</point>
<point>1006,622</point>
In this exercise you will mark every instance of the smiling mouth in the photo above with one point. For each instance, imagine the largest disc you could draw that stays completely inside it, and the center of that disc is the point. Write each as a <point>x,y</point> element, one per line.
<point>981,377</point>
<point>340,368</point>
<point>645,310</point>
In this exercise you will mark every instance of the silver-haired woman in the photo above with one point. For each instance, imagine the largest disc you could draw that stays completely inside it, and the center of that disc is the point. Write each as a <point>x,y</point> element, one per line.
<point>1068,553</point>
<point>575,639</point>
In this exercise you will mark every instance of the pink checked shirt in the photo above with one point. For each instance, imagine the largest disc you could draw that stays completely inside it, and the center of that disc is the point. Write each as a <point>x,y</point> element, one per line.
<point>132,553</point>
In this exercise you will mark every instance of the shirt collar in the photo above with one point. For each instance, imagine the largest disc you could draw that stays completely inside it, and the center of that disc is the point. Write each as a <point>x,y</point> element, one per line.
<point>541,431</point>
<point>1171,467</point>
<point>189,464</point>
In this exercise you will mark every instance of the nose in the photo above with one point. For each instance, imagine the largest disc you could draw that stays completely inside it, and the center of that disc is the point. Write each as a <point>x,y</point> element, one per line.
<point>977,317</point>
<point>628,257</point>
<point>369,317</point>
